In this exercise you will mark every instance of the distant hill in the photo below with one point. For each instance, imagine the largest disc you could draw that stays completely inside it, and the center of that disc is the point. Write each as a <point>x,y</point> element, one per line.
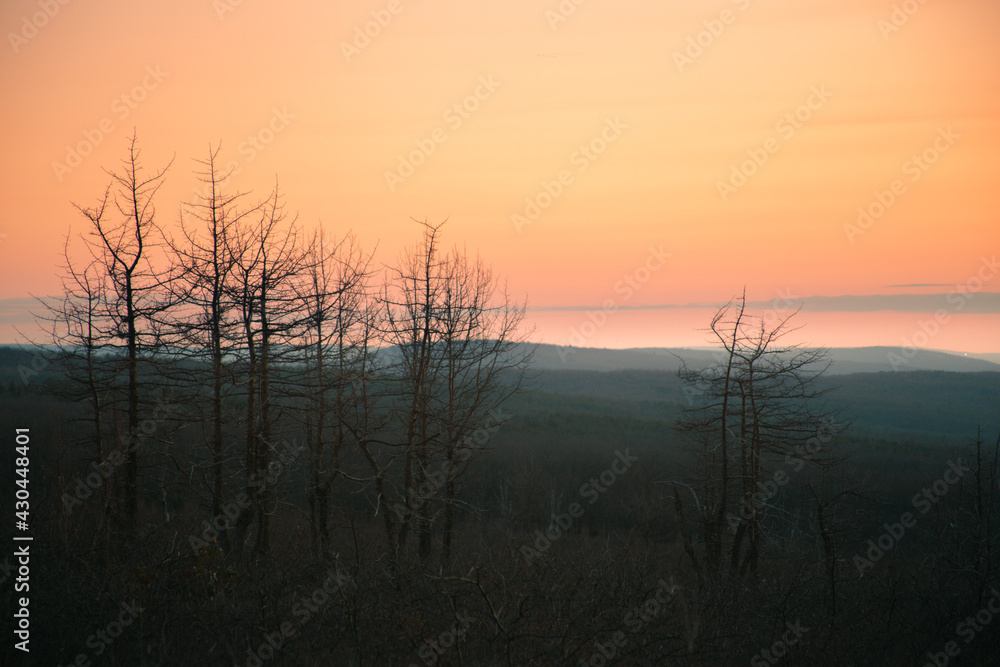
<point>637,391</point>
<point>994,356</point>
<point>934,406</point>
<point>845,360</point>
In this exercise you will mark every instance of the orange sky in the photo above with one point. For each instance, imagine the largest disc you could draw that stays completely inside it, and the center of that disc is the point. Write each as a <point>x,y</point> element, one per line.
<point>832,99</point>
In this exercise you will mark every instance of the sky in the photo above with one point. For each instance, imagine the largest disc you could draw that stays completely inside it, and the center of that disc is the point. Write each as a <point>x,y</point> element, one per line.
<point>626,166</point>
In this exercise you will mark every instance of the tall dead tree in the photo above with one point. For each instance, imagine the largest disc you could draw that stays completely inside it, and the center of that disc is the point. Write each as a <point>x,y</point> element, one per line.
<point>121,233</point>
<point>483,358</point>
<point>410,319</point>
<point>764,398</point>
<point>333,292</point>
<point>268,261</point>
<point>713,387</point>
<point>459,357</point>
<point>77,329</point>
<point>201,318</point>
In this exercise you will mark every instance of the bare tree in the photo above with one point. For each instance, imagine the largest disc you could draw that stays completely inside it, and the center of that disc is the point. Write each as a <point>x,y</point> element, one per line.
<point>410,327</point>
<point>456,334</point>
<point>268,261</point>
<point>76,327</point>
<point>764,397</point>
<point>483,359</point>
<point>120,249</point>
<point>713,417</point>
<point>335,305</point>
<point>201,318</point>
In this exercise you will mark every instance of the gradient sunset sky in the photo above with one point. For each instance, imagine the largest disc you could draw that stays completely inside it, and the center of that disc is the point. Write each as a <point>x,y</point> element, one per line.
<point>676,152</point>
